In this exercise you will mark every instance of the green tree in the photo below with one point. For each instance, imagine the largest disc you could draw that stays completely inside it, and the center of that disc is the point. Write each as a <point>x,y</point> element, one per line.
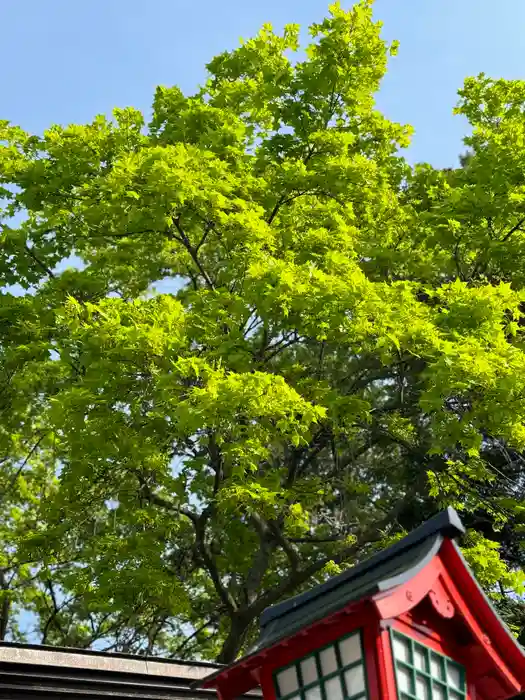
<point>340,352</point>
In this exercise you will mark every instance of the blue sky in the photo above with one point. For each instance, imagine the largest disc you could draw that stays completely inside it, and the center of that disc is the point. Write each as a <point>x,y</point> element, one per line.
<point>66,61</point>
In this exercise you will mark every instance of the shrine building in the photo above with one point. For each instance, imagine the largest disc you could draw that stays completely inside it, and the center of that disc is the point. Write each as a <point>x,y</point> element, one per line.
<point>409,623</point>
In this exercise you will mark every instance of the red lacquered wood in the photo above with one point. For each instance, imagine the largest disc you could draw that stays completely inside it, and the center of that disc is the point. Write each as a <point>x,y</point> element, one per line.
<point>398,600</point>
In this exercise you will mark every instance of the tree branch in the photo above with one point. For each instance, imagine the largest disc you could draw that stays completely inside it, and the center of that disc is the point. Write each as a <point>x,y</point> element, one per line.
<point>211,566</point>
<point>261,559</point>
<point>15,476</point>
<point>285,200</point>
<point>316,540</point>
<point>40,264</point>
<point>280,346</point>
<point>515,228</point>
<point>178,650</point>
<point>53,618</point>
<point>372,534</point>
<point>183,238</point>
<point>287,547</point>
<point>6,606</point>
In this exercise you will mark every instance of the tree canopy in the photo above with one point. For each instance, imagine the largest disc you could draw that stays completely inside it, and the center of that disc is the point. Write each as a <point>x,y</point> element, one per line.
<point>337,354</point>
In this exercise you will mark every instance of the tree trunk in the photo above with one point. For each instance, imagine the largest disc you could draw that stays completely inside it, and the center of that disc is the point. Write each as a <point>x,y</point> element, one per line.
<point>233,642</point>
<point>5,608</point>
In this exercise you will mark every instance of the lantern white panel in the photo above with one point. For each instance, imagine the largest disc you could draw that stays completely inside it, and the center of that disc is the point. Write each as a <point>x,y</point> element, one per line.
<point>313,693</point>
<point>333,672</point>
<point>453,676</point>
<point>355,680</point>
<point>288,681</point>
<point>420,659</point>
<point>438,692</point>
<point>328,660</point>
<point>422,688</point>
<point>334,689</point>
<point>436,667</point>
<point>350,649</point>
<point>404,680</point>
<point>402,649</point>
<point>309,671</point>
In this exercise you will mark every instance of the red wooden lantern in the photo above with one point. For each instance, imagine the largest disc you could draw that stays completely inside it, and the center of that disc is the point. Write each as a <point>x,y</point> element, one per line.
<point>410,623</point>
